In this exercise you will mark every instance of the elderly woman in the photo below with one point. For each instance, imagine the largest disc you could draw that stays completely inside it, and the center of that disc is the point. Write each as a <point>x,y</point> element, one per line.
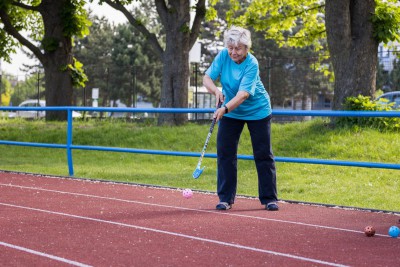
<point>245,101</point>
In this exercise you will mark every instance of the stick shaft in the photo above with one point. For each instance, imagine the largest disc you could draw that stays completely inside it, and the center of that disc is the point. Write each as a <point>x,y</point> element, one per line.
<point>207,139</point>
<point>206,143</point>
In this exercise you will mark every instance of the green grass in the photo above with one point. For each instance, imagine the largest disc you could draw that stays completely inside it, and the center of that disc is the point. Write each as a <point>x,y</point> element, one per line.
<point>347,186</point>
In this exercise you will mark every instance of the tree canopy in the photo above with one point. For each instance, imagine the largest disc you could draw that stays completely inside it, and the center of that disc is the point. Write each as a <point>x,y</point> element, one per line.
<point>302,23</point>
<point>50,27</point>
<point>349,30</point>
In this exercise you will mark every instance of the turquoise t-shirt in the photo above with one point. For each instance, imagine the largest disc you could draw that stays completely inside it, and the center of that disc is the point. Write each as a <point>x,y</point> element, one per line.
<point>241,77</point>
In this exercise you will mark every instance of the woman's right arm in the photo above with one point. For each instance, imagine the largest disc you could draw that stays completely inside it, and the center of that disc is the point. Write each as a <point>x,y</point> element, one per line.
<point>212,88</point>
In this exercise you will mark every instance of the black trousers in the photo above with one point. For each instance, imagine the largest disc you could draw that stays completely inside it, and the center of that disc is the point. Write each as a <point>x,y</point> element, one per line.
<point>229,132</point>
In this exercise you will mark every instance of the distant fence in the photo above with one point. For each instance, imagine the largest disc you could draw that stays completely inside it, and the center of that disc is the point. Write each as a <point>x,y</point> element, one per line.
<point>69,146</point>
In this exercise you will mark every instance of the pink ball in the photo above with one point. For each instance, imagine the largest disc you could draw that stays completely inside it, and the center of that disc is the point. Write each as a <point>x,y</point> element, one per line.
<point>187,193</point>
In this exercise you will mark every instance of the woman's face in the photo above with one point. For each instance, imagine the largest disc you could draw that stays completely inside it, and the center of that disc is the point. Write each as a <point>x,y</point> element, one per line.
<point>237,53</point>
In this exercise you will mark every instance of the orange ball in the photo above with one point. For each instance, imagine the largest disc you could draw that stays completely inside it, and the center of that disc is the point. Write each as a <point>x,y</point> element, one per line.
<point>369,231</point>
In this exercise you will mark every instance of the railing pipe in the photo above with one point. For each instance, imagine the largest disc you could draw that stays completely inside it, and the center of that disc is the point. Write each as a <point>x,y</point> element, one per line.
<point>69,146</point>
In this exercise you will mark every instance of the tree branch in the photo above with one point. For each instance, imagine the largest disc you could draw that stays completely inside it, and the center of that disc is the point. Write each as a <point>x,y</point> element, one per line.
<point>306,10</point>
<point>162,11</point>
<point>137,24</point>
<point>11,30</point>
<point>24,6</point>
<point>316,33</point>
<point>200,14</point>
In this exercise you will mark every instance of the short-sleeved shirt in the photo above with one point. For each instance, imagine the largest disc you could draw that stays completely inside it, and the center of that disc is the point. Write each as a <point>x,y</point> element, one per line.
<point>241,77</point>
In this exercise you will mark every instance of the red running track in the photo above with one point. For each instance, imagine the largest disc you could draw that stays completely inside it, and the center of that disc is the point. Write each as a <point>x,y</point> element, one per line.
<point>50,221</point>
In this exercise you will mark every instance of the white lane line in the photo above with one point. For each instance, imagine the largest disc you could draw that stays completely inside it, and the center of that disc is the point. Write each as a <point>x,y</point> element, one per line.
<point>179,235</point>
<point>190,209</point>
<point>75,263</point>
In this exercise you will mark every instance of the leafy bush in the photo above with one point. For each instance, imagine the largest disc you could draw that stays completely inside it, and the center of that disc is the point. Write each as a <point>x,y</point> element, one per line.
<point>364,103</point>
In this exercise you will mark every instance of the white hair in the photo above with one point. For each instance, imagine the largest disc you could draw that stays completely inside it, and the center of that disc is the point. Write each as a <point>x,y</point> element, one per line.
<point>237,35</point>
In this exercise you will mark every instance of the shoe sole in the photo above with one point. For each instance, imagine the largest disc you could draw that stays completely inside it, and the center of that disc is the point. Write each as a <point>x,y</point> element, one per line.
<point>223,207</point>
<point>273,207</point>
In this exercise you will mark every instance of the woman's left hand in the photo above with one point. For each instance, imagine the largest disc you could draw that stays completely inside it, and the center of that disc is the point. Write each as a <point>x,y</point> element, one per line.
<point>219,113</point>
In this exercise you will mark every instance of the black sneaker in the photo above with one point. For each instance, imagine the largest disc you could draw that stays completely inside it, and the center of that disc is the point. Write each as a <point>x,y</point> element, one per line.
<point>223,206</point>
<point>272,206</point>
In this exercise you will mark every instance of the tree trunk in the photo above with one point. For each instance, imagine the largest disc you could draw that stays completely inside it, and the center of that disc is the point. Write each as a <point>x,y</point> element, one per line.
<point>56,57</point>
<point>175,82</point>
<point>353,49</point>
<point>58,90</point>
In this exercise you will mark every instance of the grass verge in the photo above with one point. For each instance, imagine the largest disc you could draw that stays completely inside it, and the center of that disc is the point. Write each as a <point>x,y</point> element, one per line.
<point>334,185</point>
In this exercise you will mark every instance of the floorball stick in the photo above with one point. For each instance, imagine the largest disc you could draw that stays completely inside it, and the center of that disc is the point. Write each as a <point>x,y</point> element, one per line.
<point>198,171</point>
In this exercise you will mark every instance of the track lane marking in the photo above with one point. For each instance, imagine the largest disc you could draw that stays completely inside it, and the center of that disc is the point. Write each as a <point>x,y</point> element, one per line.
<point>35,252</point>
<point>286,255</point>
<point>190,209</point>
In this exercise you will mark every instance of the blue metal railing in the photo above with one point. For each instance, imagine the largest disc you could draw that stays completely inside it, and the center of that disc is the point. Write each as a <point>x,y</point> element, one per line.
<point>69,146</point>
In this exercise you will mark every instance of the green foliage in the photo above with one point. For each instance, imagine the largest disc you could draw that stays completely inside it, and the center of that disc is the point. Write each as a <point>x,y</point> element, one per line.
<point>394,76</point>
<point>20,18</point>
<point>5,91</point>
<point>7,45</point>
<point>94,51</point>
<point>386,21</point>
<point>211,14</point>
<point>378,93</point>
<point>301,23</point>
<point>74,17</point>
<point>119,62</point>
<point>4,4</point>
<point>185,28</point>
<point>78,75</point>
<point>134,61</point>
<point>50,44</point>
<point>291,23</point>
<point>364,103</point>
<point>27,89</point>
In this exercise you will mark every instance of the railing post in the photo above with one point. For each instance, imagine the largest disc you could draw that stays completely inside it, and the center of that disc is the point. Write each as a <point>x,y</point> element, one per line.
<point>69,142</point>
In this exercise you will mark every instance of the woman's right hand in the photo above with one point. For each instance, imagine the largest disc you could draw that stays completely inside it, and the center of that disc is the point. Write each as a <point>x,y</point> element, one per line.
<point>219,98</point>
<point>210,86</point>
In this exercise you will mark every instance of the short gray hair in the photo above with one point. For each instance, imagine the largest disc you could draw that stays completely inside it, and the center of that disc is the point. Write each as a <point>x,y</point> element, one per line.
<point>237,35</point>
